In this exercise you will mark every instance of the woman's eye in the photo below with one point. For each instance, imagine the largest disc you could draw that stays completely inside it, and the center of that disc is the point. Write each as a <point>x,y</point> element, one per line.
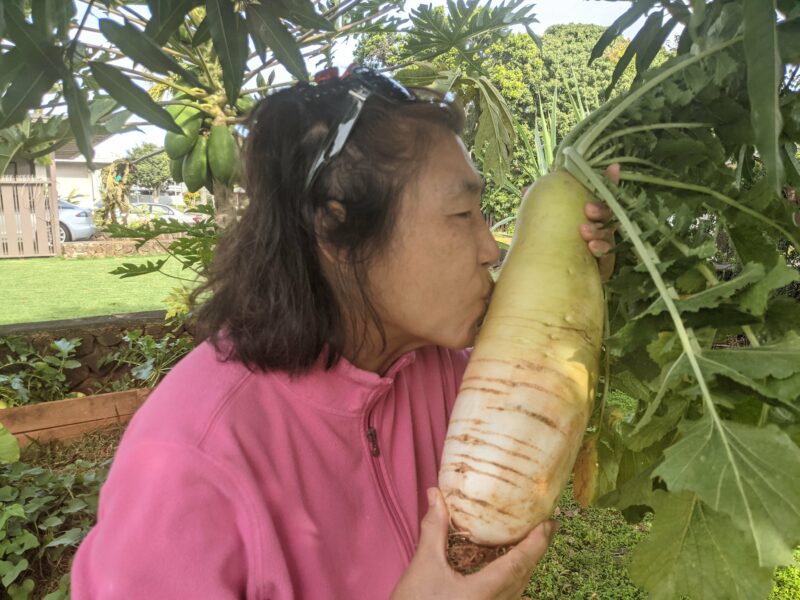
<point>464,215</point>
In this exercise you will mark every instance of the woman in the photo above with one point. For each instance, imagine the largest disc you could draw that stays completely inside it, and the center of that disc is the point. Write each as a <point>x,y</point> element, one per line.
<point>294,453</point>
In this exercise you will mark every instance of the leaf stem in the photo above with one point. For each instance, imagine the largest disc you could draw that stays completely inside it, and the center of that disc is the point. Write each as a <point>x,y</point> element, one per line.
<point>640,128</point>
<point>153,78</point>
<point>628,160</point>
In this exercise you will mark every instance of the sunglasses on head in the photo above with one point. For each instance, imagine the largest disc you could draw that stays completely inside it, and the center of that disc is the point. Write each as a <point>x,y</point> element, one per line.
<point>361,83</point>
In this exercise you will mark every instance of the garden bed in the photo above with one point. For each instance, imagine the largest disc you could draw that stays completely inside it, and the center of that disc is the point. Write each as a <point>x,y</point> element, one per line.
<point>71,418</point>
<point>89,355</point>
<point>105,246</point>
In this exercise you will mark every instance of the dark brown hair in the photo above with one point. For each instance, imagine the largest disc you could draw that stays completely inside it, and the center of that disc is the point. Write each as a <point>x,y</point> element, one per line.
<point>270,305</point>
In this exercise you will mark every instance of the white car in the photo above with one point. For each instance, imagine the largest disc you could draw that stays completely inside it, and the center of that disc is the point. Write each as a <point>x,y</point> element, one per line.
<point>150,211</point>
<point>74,222</point>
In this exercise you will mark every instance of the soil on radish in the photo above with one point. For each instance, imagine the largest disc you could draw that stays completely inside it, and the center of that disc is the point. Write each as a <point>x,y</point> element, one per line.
<point>467,557</point>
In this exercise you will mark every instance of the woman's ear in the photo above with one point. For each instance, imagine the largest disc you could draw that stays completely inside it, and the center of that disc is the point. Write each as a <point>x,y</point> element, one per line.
<point>327,219</point>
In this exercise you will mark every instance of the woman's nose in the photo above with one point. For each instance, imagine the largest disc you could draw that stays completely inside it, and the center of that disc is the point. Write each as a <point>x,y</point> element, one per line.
<point>490,251</point>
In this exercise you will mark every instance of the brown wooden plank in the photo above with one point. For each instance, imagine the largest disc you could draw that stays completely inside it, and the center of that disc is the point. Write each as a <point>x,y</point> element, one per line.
<point>68,432</point>
<point>72,411</point>
<point>8,191</point>
<point>25,200</point>
<point>52,223</point>
<point>40,237</point>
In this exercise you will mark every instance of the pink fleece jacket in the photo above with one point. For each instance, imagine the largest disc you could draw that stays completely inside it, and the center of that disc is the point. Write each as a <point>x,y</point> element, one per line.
<point>237,484</point>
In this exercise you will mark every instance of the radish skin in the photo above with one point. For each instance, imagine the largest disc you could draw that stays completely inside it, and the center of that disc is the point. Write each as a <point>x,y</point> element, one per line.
<point>528,389</point>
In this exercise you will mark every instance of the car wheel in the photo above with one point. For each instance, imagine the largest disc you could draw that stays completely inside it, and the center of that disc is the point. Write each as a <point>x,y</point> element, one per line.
<point>63,233</point>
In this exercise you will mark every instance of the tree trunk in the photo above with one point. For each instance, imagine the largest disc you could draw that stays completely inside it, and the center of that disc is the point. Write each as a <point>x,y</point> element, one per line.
<point>156,192</point>
<point>226,206</point>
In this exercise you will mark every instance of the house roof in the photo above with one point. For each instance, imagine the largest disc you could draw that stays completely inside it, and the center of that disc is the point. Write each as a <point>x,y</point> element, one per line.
<point>70,150</point>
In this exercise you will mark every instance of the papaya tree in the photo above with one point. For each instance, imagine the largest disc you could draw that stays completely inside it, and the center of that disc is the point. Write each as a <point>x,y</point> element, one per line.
<point>190,67</point>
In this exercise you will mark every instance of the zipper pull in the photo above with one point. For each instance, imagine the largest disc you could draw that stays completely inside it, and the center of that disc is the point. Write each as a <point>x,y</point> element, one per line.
<point>372,436</point>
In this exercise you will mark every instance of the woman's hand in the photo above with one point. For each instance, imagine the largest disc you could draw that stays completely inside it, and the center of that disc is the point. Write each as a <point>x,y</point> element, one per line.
<point>430,577</point>
<point>598,237</point>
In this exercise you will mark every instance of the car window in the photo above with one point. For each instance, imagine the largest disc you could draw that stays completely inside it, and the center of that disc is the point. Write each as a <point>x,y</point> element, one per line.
<point>159,210</point>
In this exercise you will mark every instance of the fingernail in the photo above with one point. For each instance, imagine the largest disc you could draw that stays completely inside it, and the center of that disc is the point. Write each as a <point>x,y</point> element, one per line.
<point>432,497</point>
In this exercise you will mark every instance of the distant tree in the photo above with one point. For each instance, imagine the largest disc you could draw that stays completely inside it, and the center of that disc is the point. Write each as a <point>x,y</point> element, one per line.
<point>151,173</point>
<point>565,55</point>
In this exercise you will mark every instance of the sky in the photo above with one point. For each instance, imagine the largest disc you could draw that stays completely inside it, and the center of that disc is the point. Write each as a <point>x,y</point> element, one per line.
<point>548,12</point>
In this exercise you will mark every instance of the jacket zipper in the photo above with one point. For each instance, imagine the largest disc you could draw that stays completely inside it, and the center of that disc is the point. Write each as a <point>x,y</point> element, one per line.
<point>383,488</point>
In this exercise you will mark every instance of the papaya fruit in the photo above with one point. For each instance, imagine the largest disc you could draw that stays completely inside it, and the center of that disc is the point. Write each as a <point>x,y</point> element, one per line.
<point>190,120</point>
<point>195,165</point>
<point>245,104</point>
<point>223,154</point>
<point>176,169</point>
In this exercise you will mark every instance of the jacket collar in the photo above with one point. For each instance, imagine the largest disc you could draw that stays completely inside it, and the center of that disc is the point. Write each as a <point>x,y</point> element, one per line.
<point>344,388</point>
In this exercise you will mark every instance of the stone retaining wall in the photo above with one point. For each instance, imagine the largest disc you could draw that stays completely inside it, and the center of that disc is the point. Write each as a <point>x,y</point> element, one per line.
<point>100,336</point>
<point>117,247</point>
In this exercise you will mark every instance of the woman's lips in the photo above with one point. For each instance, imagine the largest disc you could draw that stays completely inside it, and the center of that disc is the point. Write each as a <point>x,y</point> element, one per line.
<point>487,298</point>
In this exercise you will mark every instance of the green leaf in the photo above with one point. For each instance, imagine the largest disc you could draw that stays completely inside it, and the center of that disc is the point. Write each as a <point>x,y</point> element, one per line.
<point>751,474</point>
<point>23,590</point>
<point>166,16</point>
<point>789,41</point>
<point>764,76</point>
<point>653,427</point>
<point>11,571</point>
<point>73,506</point>
<point>650,48</point>
<point>142,49</point>
<point>786,390</point>
<point>51,521</point>
<point>421,74</point>
<point>302,13</point>
<point>625,20</point>
<point>2,20</point>
<point>275,35</point>
<point>24,93</point>
<point>229,34</point>
<point>79,119</point>
<point>34,46</point>
<point>132,96</point>
<point>638,44</point>
<point>70,538</point>
<point>202,34</point>
<point>780,359</point>
<point>496,133</point>
<point>711,297</point>
<point>693,551</point>
<point>134,270</point>
<point>756,298</point>
<point>9,447</point>
<point>43,13</point>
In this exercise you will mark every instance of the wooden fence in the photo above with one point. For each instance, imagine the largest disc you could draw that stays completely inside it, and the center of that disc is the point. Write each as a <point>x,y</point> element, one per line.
<point>28,217</point>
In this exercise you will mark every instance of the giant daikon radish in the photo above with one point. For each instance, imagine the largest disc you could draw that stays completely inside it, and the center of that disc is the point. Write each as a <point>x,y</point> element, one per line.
<point>529,386</point>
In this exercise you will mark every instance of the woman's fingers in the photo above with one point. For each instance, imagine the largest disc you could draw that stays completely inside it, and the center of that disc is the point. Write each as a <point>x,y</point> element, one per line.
<point>433,529</point>
<point>600,239</point>
<point>509,574</point>
<point>612,172</point>
<point>597,211</point>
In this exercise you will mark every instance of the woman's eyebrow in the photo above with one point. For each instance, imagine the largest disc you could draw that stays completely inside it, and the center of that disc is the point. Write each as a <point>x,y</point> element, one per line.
<point>470,186</point>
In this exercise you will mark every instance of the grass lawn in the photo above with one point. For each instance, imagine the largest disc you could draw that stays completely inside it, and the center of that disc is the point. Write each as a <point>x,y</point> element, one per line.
<point>45,289</point>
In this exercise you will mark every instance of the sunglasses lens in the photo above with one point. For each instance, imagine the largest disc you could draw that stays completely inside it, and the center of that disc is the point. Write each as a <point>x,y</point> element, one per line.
<point>363,82</point>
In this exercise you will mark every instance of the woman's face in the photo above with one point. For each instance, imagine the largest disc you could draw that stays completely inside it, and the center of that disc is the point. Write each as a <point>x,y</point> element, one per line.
<point>431,285</point>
